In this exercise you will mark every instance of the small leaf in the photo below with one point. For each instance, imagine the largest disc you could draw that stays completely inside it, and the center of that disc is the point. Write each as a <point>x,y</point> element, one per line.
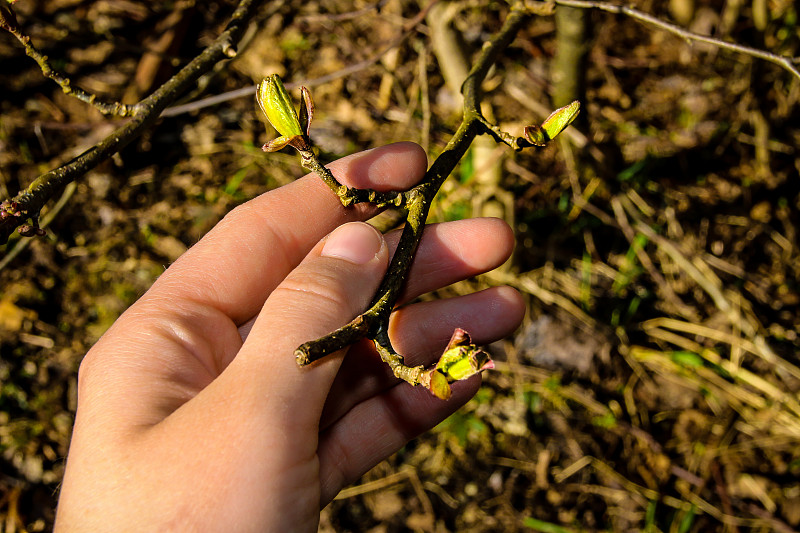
<point>460,337</point>
<point>306,110</point>
<point>461,367</point>
<point>439,386</point>
<point>460,360</point>
<point>300,143</point>
<point>276,144</point>
<point>553,125</point>
<point>560,119</point>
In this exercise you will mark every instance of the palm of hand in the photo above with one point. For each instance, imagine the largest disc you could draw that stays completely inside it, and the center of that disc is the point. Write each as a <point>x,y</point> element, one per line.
<point>184,424</point>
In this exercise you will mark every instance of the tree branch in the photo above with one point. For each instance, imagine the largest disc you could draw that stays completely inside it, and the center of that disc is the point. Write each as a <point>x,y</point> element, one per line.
<point>788,63</point>
<point>374,322</point>
<point>350,195</point>
<point>26,204</point>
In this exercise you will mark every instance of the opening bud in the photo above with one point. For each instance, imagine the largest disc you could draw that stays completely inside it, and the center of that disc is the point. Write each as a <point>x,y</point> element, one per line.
<point>276,104</point>
<point>460,360</point>
<point>553,125</point>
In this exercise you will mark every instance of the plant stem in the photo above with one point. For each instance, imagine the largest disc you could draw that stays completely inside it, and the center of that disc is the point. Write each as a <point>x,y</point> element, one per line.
<point>374,322</point>
<point>107,108</point>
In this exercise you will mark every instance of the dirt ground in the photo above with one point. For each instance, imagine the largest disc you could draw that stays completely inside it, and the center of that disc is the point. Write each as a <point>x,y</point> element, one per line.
<point>654,383</point>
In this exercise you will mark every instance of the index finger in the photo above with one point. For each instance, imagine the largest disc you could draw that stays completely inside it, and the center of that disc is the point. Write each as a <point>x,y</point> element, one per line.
<point>244,257</point>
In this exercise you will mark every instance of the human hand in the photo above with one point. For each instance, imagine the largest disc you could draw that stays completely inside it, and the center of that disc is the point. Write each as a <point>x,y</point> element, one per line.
<point>183,425</point>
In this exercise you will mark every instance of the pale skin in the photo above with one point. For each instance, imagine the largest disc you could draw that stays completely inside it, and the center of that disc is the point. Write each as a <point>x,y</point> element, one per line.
<point>192,413</point>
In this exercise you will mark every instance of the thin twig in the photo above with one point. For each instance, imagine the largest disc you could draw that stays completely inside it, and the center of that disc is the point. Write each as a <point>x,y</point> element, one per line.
<point>22,244</point>
<point>339,17</point>
<point>220,98</point>
<point>418,202</point>
<point>350,195</point>
<point>107,108</point>
<point>787,63</point>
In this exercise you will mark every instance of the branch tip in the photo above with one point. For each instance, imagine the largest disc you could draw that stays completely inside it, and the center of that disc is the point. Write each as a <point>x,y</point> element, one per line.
<point>301,356</point>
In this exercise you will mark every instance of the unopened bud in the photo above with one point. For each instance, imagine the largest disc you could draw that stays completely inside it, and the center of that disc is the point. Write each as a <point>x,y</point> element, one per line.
<point>560,119</point>
<point>277,106</point>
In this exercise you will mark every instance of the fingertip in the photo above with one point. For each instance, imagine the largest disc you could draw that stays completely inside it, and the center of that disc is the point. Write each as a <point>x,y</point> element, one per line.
<point>457,250</point>
<point>509,301</point>
<point>355,242</point>
<point>407,157</point>
<point>502,236</point>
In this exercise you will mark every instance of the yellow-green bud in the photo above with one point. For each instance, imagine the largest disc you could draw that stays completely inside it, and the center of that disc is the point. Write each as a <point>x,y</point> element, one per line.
<point>274,101</point>
<point>460,360</point>
<point>277,106</point>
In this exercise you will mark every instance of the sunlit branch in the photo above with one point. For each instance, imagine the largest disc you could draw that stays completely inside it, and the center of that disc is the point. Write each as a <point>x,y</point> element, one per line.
<point>374,322</point>
<point>787,63</point>
<point>25,206</point>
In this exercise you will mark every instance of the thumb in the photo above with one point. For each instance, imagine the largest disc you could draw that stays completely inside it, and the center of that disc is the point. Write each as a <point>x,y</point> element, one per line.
<point>330,287</point>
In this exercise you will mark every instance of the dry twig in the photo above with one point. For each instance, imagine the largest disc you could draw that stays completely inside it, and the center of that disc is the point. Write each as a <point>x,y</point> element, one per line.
<point>787,63</point>
<point>9,23</point>
<point>373,323</point>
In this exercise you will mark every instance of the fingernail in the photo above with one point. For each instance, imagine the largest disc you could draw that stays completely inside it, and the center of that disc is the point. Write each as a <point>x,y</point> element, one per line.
<point>355,242</point>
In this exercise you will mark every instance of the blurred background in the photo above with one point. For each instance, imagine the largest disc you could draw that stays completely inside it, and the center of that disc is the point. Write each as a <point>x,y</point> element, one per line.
<point>653,385</point>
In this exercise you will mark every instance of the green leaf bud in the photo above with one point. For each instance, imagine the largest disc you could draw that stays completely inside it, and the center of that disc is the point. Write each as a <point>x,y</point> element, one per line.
<point>439,386</point>
<point>536,135</point>
<point>277,106</point>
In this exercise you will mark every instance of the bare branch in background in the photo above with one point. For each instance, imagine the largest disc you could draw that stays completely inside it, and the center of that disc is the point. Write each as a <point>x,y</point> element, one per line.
<point>787,63</point>
<point>9,23</point>
<point>24,207</point>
